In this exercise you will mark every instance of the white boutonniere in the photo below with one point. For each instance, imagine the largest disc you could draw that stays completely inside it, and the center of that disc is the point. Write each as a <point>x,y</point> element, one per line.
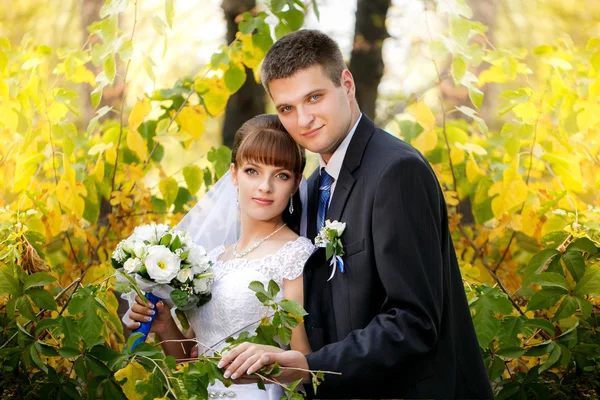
<point>330,237</point>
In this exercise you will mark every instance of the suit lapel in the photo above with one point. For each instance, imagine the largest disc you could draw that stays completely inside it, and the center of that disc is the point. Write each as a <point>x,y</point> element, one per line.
<point>313,204</point>
<point>339,285</point>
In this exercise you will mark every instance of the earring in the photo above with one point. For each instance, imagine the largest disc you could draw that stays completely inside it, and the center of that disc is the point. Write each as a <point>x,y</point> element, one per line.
<point>291,209</point>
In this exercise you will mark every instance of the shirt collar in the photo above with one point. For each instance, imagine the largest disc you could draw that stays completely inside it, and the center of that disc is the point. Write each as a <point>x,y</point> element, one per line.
<point>334,166</point>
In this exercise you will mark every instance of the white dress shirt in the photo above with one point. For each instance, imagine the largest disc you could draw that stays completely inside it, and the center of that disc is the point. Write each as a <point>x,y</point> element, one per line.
<point>334,166</point>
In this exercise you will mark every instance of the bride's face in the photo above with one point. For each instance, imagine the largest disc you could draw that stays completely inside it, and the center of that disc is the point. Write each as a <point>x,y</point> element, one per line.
<point>264,190</point>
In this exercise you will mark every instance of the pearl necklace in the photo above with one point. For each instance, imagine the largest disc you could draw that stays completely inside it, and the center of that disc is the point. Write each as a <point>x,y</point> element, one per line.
<point>255,245</point>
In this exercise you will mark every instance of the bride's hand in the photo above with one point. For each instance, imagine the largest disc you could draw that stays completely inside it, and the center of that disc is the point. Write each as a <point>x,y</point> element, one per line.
<point>242,357</point>
<point>139,312</point>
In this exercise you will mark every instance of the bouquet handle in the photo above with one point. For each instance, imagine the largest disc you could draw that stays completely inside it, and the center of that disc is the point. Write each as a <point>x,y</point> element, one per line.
<point>145,326</point>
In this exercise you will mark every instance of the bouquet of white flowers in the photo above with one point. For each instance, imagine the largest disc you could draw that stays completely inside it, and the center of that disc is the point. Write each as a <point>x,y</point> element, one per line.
<point>165,264</point>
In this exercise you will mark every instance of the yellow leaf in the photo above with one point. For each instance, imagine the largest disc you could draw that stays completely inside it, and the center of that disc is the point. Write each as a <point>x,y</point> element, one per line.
<point>457,155</point>
<point>494,74</point>
<point>426,141</point>
<point>423,115</point>
<point>473,170</point>
<point>98,170</point>
<point>516,222</point>
<point>513,194</point>
<point>191,120</point>
<point>141,109</point>
<point>137,144</point>
<point>9,118</point>
<point>451,197</point>
<point>134,373</point>
<point>215,94</point>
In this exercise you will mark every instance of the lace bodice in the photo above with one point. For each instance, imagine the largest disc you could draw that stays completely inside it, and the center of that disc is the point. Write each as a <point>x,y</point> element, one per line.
<point>234,306</point>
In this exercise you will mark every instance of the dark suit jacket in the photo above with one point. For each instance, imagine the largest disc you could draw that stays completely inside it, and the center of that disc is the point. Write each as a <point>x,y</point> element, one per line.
<point>396,324</point>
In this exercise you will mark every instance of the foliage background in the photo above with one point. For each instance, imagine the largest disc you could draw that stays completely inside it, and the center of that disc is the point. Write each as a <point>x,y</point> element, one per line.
<point>114,125</point>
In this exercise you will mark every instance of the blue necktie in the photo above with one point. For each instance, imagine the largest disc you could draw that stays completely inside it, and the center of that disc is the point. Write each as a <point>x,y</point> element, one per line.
<point>324,194</point>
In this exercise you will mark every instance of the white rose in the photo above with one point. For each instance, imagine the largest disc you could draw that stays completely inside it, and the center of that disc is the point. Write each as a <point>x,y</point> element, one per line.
<point>186,274</point>
<point>143,233</point>
<point>201,285</point>
<point>339,227</point>
<point>162,265</point>
<point>132,265</point>
<point>140,249</point>
<point>197,256</point>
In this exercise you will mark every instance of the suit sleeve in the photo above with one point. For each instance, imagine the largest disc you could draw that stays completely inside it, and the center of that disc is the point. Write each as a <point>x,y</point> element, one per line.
<point>406,229</point>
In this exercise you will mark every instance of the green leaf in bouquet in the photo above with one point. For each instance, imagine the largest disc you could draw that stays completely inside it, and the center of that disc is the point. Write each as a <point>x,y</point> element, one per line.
<point>115,264</point>
<point>134,285</point>
<point>256,286</point>
<point>166,240</point>
<point>203,299</point>
<point>176,244</point>
<point>329,251</point>
<point>179,297</point>
<point>184,255</point>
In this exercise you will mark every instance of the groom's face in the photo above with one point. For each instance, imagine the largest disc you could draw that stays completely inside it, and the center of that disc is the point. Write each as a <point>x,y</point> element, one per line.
<point>313,110</point>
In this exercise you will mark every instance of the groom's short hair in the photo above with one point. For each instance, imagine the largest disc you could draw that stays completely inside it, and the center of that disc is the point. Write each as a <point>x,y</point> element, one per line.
<point>300,50</point>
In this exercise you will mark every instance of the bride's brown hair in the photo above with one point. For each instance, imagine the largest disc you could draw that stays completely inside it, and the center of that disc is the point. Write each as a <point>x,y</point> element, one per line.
<point>263,139</point>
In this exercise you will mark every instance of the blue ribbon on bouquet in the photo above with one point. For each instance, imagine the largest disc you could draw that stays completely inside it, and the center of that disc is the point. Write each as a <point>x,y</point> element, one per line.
<point>145,326</point>
<point>340,263</point>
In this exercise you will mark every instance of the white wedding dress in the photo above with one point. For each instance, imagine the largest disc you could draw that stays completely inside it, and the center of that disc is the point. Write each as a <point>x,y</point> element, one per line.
<point>234,307</point>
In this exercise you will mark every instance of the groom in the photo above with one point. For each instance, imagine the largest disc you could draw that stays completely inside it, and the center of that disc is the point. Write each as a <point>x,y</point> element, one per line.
<point>396,322</point>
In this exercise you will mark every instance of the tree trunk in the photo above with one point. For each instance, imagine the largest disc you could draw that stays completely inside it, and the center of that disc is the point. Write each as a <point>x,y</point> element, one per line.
<point>249,101</point>
<point>366,62</point>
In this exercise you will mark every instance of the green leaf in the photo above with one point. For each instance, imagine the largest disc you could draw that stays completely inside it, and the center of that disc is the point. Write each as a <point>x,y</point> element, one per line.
<point>273,289</point>
<point>35,357</point>
<point>585,306</point>
<point>179,297</point>
<point>96,366</point>
<point>566,309</point>
<point>458,69</point>
<point>38,279</point>
<point>257,286</point>
<point>538,262</point>
<point>90,324</point>
<point>589,284</point>
<point>554,357</point>
<point>490,301</point>
<point>496,368</point>
<point>42,298</point>
<point>292,307</point>
<point>540,349</point>
<point>193,176</point>
<point>169,12</point>
<point>37,241</point>
<point>546,298</point>
<point>70,329</point>
<point>166,239</point>
<point>8,284</point>
<point>69,352</point>
<point>24,307</point>
<point>511,352</point>
<point>110,67</point>
<point>113,391</point>
<point>540,323</point>
<point>234,77</point>
<point>575,264</point>
<point>169,188</point>
<point>551,279</point>
<point>510,327</point>
<point>584,245</point>
<point>176,244</point>
<point>285,334</point>
<point>44,324</point>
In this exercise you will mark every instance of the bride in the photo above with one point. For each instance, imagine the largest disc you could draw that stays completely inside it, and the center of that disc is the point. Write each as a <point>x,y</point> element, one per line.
<point>266,172</point>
